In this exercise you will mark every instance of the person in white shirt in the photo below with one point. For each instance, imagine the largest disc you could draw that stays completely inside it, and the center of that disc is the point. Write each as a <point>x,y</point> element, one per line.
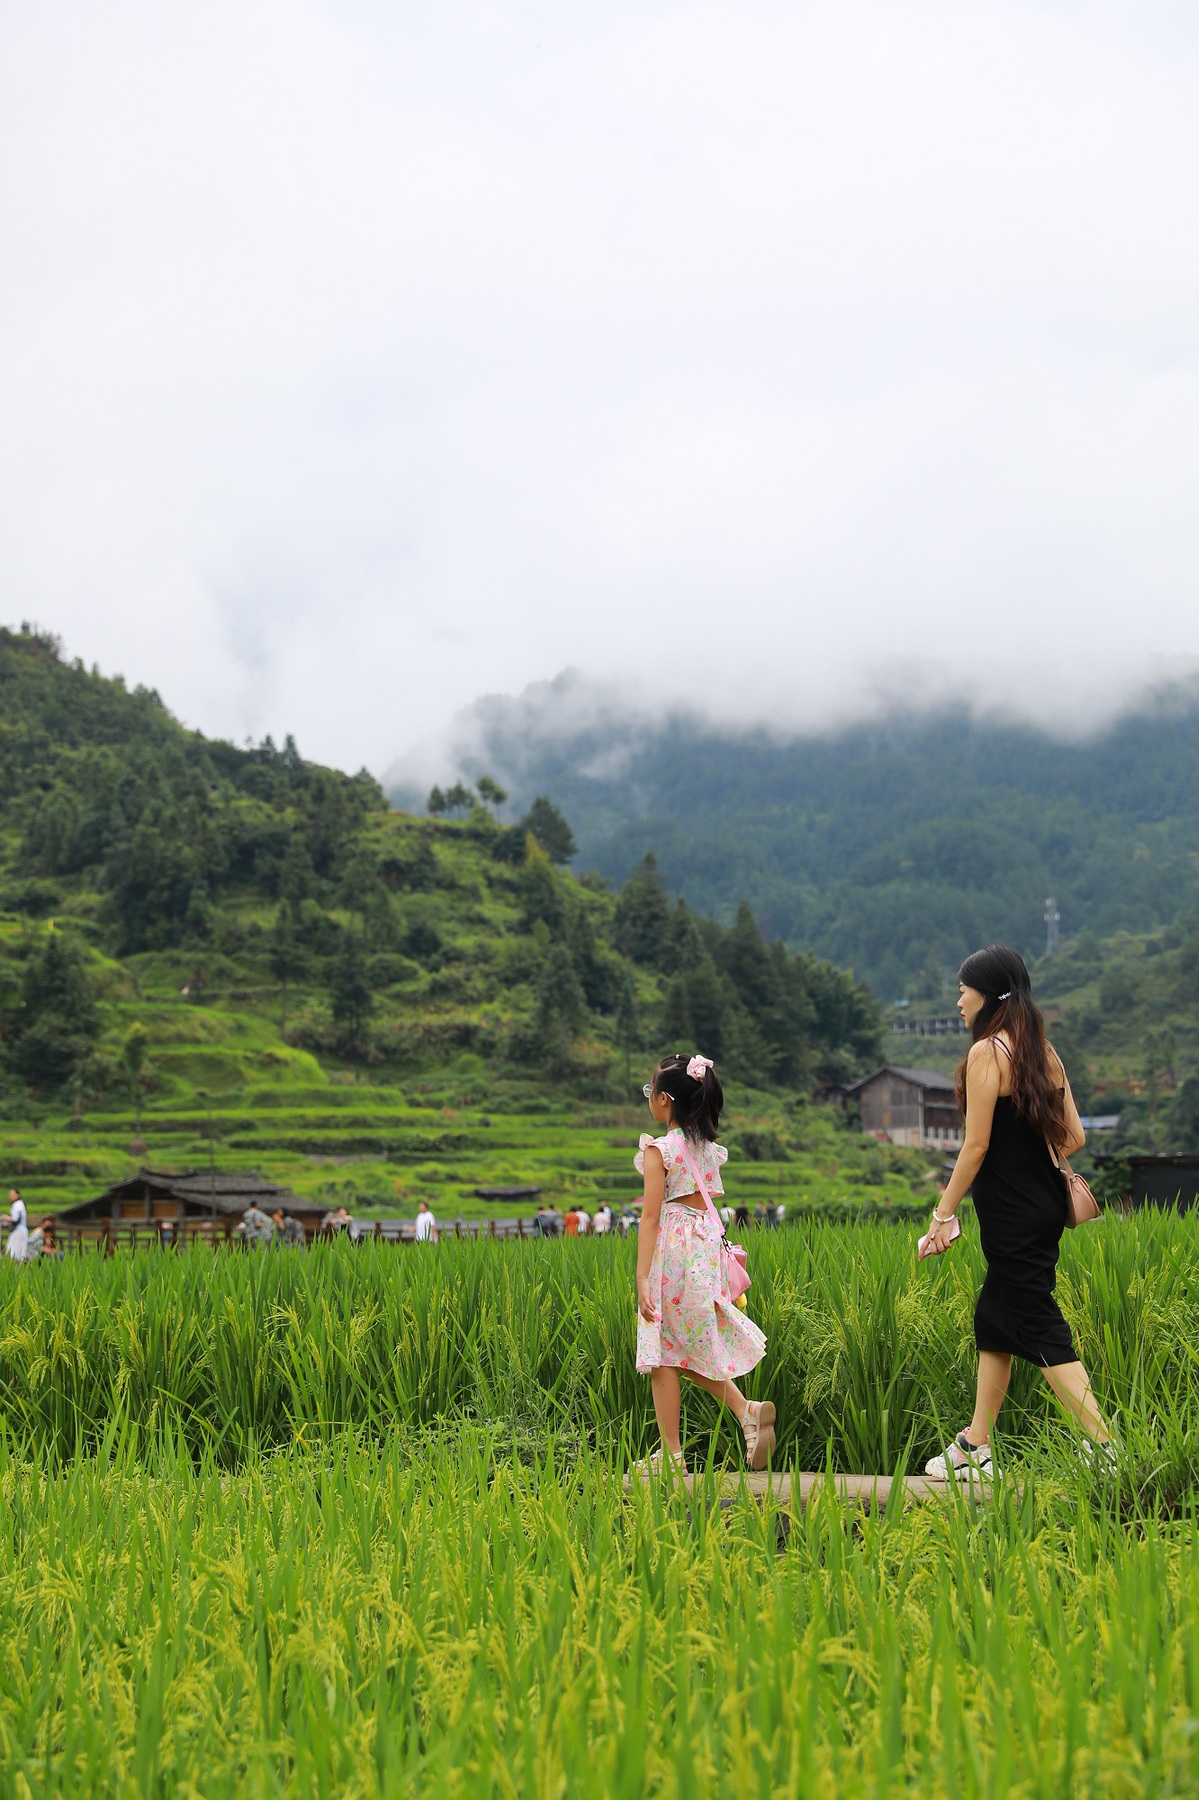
<point>426,1224</point>
<point>18,1238</point>
<point>584,1221</point>
<point>602,1221</point>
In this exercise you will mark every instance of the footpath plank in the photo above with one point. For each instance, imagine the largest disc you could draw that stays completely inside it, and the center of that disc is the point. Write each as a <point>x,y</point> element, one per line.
<point>869,1491</point>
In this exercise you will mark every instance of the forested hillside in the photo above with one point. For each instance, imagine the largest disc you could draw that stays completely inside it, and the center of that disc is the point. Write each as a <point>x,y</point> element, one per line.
<point>892,846</point>
<point>142,864</point>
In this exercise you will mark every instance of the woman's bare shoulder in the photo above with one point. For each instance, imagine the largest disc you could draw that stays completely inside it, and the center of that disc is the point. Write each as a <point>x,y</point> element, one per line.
<point>983,1056</point>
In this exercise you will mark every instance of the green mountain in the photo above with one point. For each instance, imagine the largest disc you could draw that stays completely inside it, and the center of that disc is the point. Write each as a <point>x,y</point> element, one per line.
<point>891,846</point>
<point>203,942</point>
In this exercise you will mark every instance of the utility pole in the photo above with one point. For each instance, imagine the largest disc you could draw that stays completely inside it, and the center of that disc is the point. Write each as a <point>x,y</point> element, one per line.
<point>1053,919</point>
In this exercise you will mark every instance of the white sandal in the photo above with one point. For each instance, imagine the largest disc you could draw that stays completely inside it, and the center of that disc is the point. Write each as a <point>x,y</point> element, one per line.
<point>659,1462</point>
<point>758,1426</point>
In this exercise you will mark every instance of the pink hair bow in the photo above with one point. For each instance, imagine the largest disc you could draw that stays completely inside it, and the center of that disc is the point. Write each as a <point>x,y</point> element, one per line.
<point>698,1067</point>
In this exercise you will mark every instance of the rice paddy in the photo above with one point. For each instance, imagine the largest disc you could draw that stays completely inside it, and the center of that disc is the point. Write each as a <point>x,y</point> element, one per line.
<point>353,1523</point>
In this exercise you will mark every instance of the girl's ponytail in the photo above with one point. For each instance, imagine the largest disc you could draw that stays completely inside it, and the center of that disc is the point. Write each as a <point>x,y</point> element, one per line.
<point>695,1091</point>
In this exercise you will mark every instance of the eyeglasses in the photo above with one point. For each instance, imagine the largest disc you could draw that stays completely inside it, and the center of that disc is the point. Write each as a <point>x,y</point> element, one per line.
<point>648,1090</point>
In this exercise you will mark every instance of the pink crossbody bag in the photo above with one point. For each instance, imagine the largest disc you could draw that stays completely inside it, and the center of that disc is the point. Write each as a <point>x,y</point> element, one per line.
<point>736,1275</point>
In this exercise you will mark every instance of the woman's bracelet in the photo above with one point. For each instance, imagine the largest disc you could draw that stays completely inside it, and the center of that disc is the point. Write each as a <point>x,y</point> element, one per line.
<point>940,1220</point>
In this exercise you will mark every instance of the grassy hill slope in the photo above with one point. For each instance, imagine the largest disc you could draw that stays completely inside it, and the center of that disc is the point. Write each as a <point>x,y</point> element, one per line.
<point>205,947</point>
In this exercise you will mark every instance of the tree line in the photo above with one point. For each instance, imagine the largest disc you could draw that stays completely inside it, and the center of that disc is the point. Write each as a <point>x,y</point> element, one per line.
<point>141,839</point>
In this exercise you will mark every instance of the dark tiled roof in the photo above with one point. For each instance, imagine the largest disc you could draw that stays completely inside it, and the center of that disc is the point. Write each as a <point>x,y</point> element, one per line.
<point>229,1191</point>
<point>927,1078</point>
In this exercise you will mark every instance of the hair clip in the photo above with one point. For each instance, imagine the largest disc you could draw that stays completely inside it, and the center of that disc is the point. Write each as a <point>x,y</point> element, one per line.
<point>1006,996</point>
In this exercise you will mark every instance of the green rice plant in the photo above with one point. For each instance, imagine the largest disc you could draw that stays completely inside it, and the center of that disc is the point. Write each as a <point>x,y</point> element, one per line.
<point>870,1358</point>
<point>426,1614</point>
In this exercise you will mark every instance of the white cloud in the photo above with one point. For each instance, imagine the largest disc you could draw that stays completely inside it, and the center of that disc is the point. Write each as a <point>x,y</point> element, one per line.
<point>358,360</point>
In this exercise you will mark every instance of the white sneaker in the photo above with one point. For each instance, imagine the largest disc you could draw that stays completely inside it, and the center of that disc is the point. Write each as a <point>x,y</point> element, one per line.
<point>961,1459</point>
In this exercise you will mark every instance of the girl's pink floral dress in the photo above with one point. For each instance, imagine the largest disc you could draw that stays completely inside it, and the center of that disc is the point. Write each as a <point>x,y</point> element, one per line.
<point>698,1325</point>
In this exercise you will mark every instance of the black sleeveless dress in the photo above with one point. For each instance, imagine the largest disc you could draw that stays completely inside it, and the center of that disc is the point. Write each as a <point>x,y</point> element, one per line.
<point>1020,1200</point>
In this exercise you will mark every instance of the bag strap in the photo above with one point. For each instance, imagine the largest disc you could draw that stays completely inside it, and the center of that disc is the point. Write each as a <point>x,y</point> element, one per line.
<point>700,1185</point>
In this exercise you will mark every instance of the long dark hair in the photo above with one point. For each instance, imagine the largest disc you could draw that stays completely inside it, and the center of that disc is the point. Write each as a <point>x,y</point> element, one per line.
<point>697,1104</point>
<point>998,972</point>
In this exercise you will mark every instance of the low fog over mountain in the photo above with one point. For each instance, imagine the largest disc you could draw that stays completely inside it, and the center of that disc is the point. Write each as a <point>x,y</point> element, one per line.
<point>892,844</point>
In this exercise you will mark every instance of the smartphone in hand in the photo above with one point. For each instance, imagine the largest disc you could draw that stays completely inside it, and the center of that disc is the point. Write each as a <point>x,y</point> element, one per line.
<point>954,1232</point>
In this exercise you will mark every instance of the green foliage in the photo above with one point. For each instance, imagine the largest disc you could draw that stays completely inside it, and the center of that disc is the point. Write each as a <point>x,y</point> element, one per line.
<point>1127,1035</point>
<point>482,1612</point>
<point>285,956</point>
<point>871,1353</point>
<point>165,823</point>
<point>350,991</point>
<point>542,895</point>
<point>544,822</point>
<point>457,799</point>
<point>57,1023</point>
<point>133,1052</point>
<point>891,841</point>
<point>390,940</point>
<point>561,1008</point>
<point>490,792</point>
<point>642,923</point>
<point>1184,1114</point>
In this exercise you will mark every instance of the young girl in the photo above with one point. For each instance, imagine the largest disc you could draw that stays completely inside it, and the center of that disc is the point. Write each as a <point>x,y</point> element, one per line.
<point>687,1323</point>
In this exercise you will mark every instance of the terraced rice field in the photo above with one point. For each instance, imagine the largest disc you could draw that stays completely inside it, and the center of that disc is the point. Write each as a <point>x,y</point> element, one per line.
<point>382,1148</point>
<point>353,1523</point>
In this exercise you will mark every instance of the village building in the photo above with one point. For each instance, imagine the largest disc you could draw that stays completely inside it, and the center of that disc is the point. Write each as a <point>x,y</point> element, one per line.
<point>945,1025</point>
<point>190,1203</point>
<point>913,1107</point>
<point>1170,1182</point>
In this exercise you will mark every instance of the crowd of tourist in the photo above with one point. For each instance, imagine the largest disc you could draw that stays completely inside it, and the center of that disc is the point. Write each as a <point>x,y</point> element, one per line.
<point>260,1230</point>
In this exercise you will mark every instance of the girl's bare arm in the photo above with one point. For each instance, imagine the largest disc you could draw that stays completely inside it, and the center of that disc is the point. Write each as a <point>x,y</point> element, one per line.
<point>653,1193</point>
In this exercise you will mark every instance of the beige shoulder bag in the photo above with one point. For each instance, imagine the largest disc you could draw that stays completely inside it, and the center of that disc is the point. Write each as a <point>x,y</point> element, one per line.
<point>1081,1205</point>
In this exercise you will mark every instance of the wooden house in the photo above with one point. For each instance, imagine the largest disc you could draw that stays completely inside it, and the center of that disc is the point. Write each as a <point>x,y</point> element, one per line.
<point>909,1107</point>
<point>183,1204</point>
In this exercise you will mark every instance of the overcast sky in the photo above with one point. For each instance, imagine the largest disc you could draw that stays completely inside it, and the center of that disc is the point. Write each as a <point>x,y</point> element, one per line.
<point>356,360</point>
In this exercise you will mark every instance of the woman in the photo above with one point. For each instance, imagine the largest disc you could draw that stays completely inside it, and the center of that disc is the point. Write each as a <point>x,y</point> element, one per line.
<point>1016,1099</point>
<point>18,1238</point>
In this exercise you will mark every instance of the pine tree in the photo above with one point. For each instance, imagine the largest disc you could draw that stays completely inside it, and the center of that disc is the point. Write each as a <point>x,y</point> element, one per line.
<point>541,894</point>
<point>625,1023</point>
<point>561,1008</point>
<point>460,798</point>
<point>642,925</point>
<point>58,1022</point>
<point>546,824</point>
<point>285,956</point>
<point>350,990</point>
<point>491,793</point>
